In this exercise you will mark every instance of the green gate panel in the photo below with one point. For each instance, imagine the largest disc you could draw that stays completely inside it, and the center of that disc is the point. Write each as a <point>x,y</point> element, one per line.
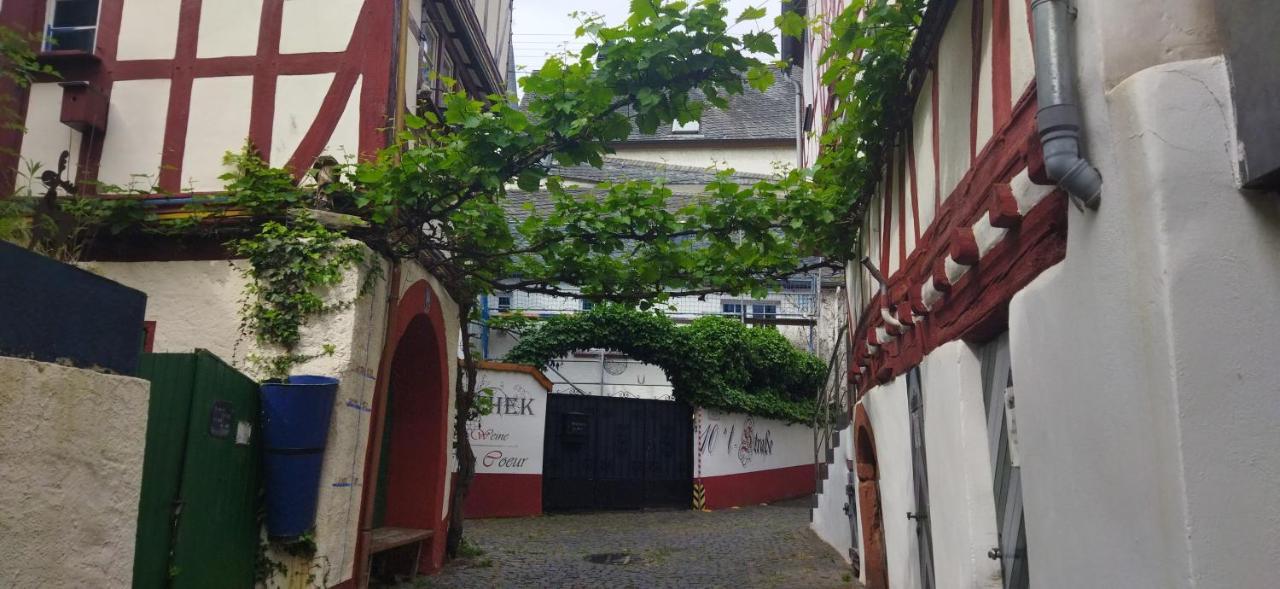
<point>217,534</point>
<point>172,377</point>
<point>198,515</point>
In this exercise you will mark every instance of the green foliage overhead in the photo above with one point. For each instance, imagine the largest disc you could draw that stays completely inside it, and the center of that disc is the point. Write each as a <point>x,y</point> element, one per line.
<point>714,362</point>
<point>18,64</point>
<point>867,69</point>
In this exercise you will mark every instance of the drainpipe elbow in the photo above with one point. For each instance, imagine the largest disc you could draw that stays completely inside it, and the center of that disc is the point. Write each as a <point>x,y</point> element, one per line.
<point>1073,173</point>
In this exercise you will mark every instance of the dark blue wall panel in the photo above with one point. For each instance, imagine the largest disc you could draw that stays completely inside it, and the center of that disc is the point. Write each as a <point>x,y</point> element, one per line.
<point>51,311</point>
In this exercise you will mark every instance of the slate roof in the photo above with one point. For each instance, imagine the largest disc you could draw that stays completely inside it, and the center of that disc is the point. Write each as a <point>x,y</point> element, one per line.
<point>618,169</point>
<point>751,116</point>
<point>686,183</point>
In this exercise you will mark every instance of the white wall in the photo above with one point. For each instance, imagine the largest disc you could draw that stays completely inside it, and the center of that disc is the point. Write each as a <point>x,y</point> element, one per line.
<point>887,409</point>
<point>509,440</point>
<point>71,446</point>
<point>962,513</point>
<point>229,27</point>
<point>311,27</point>
<point>46,138</point>
<point>829,520</point>
<point>736,443</point>
<point>136,119</point>
<point>1168,437</point>
<point>148,30</point>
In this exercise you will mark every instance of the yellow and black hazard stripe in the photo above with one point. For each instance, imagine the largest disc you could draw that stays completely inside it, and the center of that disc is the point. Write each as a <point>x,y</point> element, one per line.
<point>699,497</point>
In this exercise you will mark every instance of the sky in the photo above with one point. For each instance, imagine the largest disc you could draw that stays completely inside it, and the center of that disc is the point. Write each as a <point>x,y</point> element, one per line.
<point>543,27</point>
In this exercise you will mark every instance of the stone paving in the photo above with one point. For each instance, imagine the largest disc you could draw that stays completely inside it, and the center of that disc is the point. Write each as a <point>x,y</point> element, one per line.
<point>758,546</point>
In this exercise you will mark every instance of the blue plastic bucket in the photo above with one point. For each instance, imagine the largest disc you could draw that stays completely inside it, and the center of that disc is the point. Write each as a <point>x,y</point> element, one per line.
<point>295,426</point>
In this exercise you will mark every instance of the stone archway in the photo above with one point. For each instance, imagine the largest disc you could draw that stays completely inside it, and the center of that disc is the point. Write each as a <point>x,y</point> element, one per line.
<point>871,518</point>
<point>406,472</point>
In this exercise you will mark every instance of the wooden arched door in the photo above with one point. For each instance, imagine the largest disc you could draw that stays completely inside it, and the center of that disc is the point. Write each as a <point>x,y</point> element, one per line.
<point>872,519</point>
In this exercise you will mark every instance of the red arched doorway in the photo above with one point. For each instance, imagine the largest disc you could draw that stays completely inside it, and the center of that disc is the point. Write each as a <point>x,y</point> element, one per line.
<point>403,518</point>
<point>872,519</point>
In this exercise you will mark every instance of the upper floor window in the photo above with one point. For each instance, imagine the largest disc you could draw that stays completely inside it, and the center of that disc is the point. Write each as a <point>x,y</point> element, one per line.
<point>690,128</point>
<point>731,309</point>
<point>504,302</point>
<point>764,311</point>
<point>429,50</point>
<point>72,25</point>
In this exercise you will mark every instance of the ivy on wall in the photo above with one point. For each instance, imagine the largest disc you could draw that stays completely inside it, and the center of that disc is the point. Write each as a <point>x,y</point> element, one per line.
<point>713,362</point>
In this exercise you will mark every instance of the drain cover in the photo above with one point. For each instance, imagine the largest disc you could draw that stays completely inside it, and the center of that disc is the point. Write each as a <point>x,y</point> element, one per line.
<point>618,558</point>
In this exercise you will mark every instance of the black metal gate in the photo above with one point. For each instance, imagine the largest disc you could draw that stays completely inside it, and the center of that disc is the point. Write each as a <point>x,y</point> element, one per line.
<point>616,453</point>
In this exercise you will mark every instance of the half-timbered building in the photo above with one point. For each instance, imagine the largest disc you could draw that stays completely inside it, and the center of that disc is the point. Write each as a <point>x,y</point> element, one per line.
<point>151,94</point>
<point>1066,325</point>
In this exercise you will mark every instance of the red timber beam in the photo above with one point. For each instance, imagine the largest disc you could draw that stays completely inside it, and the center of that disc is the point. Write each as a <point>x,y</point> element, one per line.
<point>369,57</point>
<point>948,288</point>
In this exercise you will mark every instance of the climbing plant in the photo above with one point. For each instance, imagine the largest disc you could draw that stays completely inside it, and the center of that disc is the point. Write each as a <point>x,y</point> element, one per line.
<point>867,69</point>
<point>714,362</point>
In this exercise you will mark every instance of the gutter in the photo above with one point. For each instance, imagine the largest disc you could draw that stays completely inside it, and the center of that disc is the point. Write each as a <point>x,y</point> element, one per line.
<point>1059,121</point>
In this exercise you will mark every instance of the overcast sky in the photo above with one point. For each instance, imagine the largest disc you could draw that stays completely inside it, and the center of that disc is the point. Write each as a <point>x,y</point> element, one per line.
<point>542,27</point>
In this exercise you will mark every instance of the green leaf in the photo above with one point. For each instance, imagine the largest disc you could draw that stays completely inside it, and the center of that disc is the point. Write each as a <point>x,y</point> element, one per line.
<point>760,77</point>
<point>752,13</point>
<point>791,24</point>
<point>529,180</point>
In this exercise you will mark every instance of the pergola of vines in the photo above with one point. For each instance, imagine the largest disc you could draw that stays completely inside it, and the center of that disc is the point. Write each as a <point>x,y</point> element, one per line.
<point>713,362</point>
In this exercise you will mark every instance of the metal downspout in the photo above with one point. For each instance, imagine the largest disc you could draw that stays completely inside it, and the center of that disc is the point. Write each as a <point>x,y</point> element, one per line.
<point>1058,120</point>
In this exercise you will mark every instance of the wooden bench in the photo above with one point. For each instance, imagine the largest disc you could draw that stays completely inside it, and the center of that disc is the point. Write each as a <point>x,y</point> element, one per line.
<point>383,539</point>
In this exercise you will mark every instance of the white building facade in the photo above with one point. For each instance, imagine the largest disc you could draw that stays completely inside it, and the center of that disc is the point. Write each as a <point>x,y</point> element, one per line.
<point>1053,396</point>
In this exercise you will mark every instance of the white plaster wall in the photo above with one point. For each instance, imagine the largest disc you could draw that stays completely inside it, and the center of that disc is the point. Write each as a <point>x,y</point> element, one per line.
<point>148,30</point>
<point>344,143</point>
<point>1022,65</point>
<point>46,138</point>
<point>133,145</point>
<point>1168,439</point>
<point>509,440</point>
<point>922,140</point>
<point>218,123</point>
<point>829,520</point>
<point>759,159</point>
<point>986,114</point>
<point>887,409</point>
<point>71,442</point>
<point>229,27</point>
<point>961,500</point>
<point>314,26</point>
<point>955,75</point>
<point>726,443</point>
<point>298,101</point>
<point>195,305</point>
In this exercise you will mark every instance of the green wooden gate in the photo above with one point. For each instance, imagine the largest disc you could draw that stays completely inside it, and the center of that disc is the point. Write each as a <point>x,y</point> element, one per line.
<point>197,516</point>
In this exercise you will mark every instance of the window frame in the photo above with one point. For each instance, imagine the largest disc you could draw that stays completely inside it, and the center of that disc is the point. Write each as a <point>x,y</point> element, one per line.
<point>48,34</point>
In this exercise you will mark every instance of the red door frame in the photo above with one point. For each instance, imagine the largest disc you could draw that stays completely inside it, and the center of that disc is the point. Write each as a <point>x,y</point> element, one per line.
<point>870,515</point>
<point>418,355</point>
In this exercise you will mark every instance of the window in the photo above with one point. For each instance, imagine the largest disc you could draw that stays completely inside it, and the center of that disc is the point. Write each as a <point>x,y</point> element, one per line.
<point>504,302</point>
<point>428,60</point>
<point>689,128</point>
<point>73,25</point>
<point>587,305</point>
<point>764,311</point>
<point>731,309</point>
<point>446,71</point>
<point>798,284</point>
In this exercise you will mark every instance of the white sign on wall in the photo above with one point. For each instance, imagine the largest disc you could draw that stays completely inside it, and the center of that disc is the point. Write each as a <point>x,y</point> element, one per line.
<point>509,439</point>
<point>735,443</point>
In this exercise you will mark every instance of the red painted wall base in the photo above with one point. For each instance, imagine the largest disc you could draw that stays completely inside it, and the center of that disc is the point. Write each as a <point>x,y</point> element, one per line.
<point>765,486</point>
<point>504,495</point>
